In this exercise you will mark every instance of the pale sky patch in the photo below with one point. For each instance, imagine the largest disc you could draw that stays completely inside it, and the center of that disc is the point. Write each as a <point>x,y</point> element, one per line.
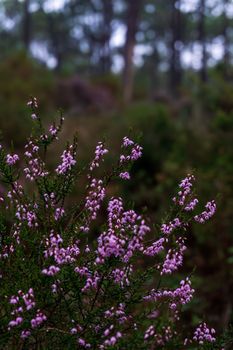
<point>40,51</point>
<point>118,36</point>
<point>54,5</point>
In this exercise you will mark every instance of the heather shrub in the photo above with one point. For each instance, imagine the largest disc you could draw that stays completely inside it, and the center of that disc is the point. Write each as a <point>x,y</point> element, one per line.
<point>63,287</point>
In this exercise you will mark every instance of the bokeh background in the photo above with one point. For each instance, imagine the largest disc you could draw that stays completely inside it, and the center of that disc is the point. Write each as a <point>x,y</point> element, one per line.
<point>160,69</point>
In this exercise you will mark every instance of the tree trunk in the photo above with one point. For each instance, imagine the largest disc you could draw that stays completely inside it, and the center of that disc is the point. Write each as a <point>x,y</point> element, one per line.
<point>202,39</point>
<point>175,64</point>
<point>226,57</point>
<point>132,20</point>
<point>26,25</point>
<point>106,60</point>
<point>55,40</point>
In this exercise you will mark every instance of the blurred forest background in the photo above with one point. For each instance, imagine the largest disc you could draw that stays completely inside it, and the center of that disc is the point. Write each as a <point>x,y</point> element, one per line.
<point>160,68</point>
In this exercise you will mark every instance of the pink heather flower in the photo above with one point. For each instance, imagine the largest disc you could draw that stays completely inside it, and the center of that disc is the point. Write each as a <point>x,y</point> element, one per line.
<point>12,159</point>
<point>50,201</point>
<point>33,103</point>
<point>60,254</point>
<point>125,175</point>
<point>206,214</point>
<point>149,332</point>
<point>74,330</point>
<point>53,130</point>
<point>135,152</point>
<point>179,296</point>
<point>25,334</point>
<point>93,202</point>
<point>203,334</point>
<point>15,323</point>
<point>83,343</point>
<point>38,320</point>
<point>121,276</point>
<point>44,137</point>
<point>164,336</point>
<point>31,219</point>
<point>118,313</point>
<point>68,162</point>
<point>127,142</point>
<point>168,228</point>
<point>33,116</point>
<point>59,212</point>
<point>91,282</point>
<point>87,249</point>
<point>155,248</point>
<point>185,190</point>
<point>115,241</point>
<point>112,340</point>
<point>17,311</point>
<point>14,300</point>
<point>23,213</point>
<point>100,151</point>
<point>55,286</point>
<point>95,197</point>
<point>153,314</point>
<point>82,271</point>
<point>184,293</point>
<point>28,299</point>
<point>35,166</point>
<point>174,258</point>
<point>191,205</point>
<point>51,271</point>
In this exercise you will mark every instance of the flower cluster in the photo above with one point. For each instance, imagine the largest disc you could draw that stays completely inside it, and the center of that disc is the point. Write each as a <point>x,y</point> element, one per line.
<point>12,159</point>
<point>122,276</point>
<point>160,339</point>
<point>60,254</point>
<point>35,166</point>
<point>27,213</point>
<point>191,205</point>
<point>38,319</point>
<point>114,241</point>
<point>29,303</point>
<point>92,279</point>
<point>156,247</point>
<point>100,151</point>
<point>174,257</point>
<point>117,312</point>
<point>110,341</point>
<point>180,296</point>
<point>204,334</point>
<point>53,130</point>
<point>168,228</point>
<point>68,161</point>
<point>206,214</point>
<point>59,212</point>
<point>33,103</point>
<point>135,150</point>
<point>149,332</point>
<point>93,201</point>
<point>185,190</point>
<point>133,153</point>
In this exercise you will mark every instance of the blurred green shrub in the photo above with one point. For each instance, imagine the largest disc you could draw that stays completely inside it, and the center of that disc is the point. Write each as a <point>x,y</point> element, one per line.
<point>21,78</point>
